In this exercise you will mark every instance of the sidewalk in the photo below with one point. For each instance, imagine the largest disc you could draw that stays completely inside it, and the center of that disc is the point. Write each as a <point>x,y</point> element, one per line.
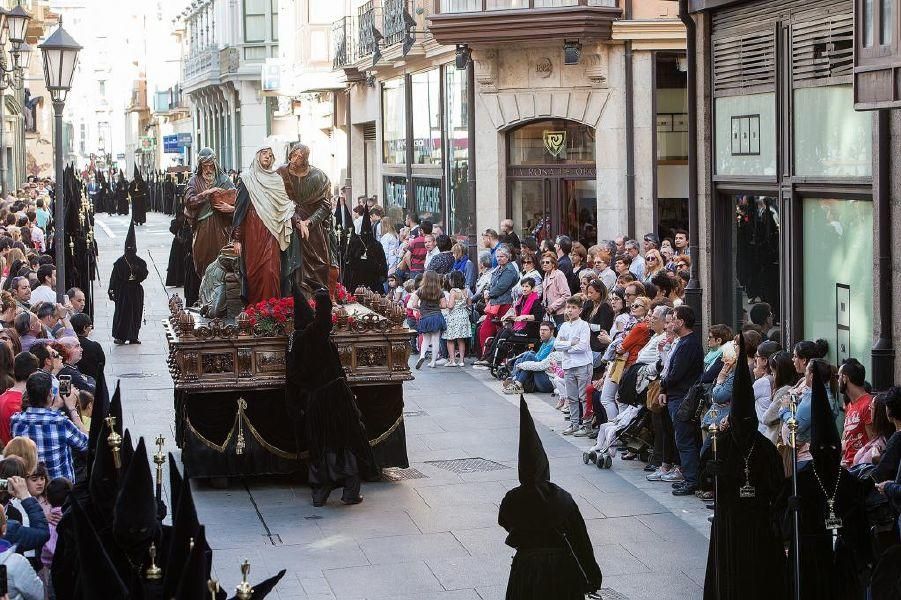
<point>432,534</point>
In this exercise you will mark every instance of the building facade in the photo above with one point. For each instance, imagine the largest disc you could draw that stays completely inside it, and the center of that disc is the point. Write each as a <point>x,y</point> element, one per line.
<point>791,177</point>
<point>469,112</point>
<point>225,46</point>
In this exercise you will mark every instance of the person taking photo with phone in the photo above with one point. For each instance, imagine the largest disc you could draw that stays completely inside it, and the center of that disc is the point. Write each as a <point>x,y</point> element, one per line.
<point>56,432</point>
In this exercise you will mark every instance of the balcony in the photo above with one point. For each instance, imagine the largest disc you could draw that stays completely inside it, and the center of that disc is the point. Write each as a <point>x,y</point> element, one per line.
<point>489,22</point>
<point>204,64</point>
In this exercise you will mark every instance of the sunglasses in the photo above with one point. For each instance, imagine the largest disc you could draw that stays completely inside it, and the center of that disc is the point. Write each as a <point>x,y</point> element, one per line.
<point>545,262</point>
<point>638,306</point>
<point>55,355</point>
<point>651,258</point>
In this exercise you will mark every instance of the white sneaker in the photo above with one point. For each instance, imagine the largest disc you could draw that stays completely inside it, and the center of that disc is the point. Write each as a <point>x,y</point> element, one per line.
<point>657,475</point>
<point>480,367</point>
<point>571,430</point>
<point>441,361</point>
<point>673,476</point>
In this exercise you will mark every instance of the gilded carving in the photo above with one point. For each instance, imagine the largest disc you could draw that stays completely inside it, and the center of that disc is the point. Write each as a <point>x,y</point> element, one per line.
<point>245,362</point>
<point>218,363</point>
<point>270,362</point>
<point>400,356</point>
<point>372,356</point>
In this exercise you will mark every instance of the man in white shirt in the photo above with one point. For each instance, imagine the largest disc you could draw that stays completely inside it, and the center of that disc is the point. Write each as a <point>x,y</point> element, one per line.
<point>45,292</point>
<point>574,341</point>
<point>432,248</point>
<point>637,266</point>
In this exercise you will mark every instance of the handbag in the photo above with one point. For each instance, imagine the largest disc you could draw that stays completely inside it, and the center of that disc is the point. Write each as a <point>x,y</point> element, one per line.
<point>653,392</point>
<point>619,367</point>
<point>693,403</point>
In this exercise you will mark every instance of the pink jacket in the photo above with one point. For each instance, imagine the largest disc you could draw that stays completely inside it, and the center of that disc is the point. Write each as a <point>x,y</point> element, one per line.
<point>555,292</point>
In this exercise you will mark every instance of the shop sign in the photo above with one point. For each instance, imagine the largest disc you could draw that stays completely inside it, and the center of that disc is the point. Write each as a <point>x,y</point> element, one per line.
<point>427,193</point>
<point>588,172</point>
<point>555,142</point>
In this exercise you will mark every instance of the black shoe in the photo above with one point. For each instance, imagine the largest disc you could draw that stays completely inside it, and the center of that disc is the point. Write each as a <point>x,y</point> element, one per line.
<point>352,501</point>
<point>678,484</point>
<point>119,342</point>
<point>134,341</point>
<point>710,506</point>
<point>651,467</point>
<point>685,490</point>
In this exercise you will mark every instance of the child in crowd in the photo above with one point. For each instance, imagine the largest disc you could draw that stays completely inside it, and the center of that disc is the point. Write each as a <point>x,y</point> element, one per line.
<point>428,301</point>
<point>37,486</point>
<point>573,341</point>
<point>459,328</point>
<point>395,291</point>
<point>85,407</point>
<point>58,491</point>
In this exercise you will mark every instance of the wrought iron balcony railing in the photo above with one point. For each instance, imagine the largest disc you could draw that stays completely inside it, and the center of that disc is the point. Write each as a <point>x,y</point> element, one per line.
<point>342,48</point>
<point>368,36</point>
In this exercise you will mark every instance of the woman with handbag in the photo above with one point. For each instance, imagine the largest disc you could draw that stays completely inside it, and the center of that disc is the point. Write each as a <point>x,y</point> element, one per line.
<point>498,298</point>
<point>625,353</point>
<point>555,288</point>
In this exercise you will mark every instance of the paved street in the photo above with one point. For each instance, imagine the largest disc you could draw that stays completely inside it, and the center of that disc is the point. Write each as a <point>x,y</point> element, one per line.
<point>433,537</point>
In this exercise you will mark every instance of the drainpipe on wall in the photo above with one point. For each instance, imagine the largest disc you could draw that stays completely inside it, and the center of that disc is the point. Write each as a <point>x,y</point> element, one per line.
<point>883,353</point>
<point>471,168</point>
<point>630,130</point>
<point>349,129</point>
<point>238,133</point>
<point>693,292</point>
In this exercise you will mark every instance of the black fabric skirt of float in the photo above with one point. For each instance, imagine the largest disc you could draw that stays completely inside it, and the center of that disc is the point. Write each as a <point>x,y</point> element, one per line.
<point>210,429</point>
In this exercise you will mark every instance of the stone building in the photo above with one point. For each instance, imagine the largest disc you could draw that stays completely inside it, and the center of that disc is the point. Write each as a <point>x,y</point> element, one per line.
<point>469,112</point>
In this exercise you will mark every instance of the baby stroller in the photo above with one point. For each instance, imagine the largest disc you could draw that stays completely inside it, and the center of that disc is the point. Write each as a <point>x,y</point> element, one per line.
<point>631,427</point>
<point>500,359</point>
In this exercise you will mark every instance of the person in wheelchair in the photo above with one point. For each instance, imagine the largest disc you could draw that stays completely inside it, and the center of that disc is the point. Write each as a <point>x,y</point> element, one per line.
<point>520,326</point>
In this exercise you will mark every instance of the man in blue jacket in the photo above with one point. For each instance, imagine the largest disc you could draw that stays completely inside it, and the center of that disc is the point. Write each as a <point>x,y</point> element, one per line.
<point>685,366</point>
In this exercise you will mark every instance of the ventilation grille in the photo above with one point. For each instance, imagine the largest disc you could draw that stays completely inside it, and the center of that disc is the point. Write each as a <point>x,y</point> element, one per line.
<point>396,474</point>
<point>368,131</point>
<point>467,465</point>
<point>823,47</point>
<point>743,61</point>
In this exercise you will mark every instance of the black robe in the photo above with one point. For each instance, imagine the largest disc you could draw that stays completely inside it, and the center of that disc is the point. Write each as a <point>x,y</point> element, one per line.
<point>126,291</point>
<point>326,418</point>
<point>828,574</point>
<point>554,557</point>
<point>365,264</point>
<point>138,192</point>
<point>181,245</point>
<point>751,552</point>
<point>122,197</point>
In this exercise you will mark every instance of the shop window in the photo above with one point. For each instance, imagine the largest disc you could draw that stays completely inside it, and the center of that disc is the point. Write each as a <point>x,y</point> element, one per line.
<point>831,138</point>
<point>838,276</point>
<point>426,108</point>
<point>671,100</point>
<point>396,198</point>
<point>461,217</point>
<point>746,135</point>
<point>754,243</point>
<point>552,142</point>
<point>394,118</point>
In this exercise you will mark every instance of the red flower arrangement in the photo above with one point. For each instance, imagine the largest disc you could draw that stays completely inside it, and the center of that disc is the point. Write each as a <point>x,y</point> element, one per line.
<point>270,317</point>
<point>342,296</point>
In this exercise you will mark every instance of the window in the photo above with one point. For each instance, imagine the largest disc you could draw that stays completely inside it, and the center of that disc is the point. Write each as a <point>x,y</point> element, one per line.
<point>255,53</point>
<point>274,12</point>
<point>461,209</point>
<point>552,142</point>
<point>254,21</point>
<point>394,119</point>
<point>426,117</point>
<point>831,138</point>
<point>746,134</point>
<point>101,88</point>
<point>885,22</point>
<point>754,243</point>
<point>838,276</point>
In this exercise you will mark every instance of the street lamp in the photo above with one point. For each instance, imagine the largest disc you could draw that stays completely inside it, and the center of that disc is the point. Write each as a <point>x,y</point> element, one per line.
<point>13,26</point>
<point>60,53</point>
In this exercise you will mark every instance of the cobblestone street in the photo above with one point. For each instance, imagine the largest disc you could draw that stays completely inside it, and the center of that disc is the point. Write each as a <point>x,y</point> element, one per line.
<point>431,535</point>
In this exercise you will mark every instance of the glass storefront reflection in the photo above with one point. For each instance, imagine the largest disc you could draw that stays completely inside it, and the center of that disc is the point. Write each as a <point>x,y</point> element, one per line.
<point>755,253</point>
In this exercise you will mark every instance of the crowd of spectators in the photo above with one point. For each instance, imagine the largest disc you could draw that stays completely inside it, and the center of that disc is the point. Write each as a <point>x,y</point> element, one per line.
<point>48,372</point>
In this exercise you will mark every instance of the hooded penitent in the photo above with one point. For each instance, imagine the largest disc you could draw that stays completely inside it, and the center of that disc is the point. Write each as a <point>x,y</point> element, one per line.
<point>825,443</point>
<point>135,523</point>
<point>327,419</point>
<point>743,539</point>
<point>554,557</point>
<point>138,192</point>
<point>97,575</point>
<point>365,262</point>
<point>126,291</point>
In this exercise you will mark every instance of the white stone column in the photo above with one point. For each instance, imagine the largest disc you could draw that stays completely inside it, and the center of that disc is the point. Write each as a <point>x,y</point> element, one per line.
<point>644,132</point>
<point>610,139</point>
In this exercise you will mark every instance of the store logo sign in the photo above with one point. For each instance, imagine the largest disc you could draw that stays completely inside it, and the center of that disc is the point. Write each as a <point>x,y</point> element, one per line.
<point>555,142</point>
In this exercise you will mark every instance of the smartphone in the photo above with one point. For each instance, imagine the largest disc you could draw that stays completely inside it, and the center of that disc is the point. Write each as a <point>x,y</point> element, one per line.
<point>65,385</point>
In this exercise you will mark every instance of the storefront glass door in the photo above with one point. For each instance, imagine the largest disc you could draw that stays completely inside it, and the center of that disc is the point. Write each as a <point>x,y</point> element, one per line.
<point>555,206</point>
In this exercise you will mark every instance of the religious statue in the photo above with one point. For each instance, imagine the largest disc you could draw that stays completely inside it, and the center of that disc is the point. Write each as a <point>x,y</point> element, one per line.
<point>263,233</point>
<point>310,189</point>
<point>209,204</point>
<point>220,288</point>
